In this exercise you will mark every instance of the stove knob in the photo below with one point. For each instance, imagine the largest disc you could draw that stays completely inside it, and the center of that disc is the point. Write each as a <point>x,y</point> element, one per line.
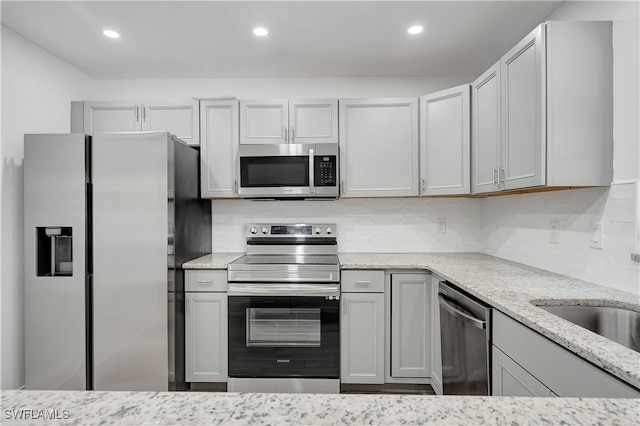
<point>265,230</point>
<point>318,230</point>
<point>253,230</point>
<point>328,230</point>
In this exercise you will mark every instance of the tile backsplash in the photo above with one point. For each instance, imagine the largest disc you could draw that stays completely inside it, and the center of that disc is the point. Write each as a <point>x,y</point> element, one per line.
<point>514,227</point>
<point>364,225</point>
<point>518,228</point>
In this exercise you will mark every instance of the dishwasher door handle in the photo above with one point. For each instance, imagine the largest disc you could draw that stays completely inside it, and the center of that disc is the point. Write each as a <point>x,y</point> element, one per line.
<point>461,315</point>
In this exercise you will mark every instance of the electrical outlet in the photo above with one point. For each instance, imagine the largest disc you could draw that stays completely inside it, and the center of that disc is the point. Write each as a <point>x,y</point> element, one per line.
<point>597,235</point>
<point>442,225</point>
<point>555,232</point>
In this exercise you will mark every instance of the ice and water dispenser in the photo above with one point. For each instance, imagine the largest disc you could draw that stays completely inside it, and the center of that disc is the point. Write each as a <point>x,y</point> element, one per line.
<point>54,251</point>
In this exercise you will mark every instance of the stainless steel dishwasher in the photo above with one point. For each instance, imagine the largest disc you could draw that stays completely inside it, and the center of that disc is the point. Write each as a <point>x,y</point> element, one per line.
<point>465,334</point>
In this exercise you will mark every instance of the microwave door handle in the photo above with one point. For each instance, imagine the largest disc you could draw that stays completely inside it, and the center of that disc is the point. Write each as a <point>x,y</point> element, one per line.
<point>312,189</point>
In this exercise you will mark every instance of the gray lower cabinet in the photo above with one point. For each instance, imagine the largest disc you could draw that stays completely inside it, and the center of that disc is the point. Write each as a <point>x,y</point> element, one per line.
<point>410,314</point>
<point>362,327</point>
<point>527,363</point>
<point>509,379</point>
<point>206,326</point>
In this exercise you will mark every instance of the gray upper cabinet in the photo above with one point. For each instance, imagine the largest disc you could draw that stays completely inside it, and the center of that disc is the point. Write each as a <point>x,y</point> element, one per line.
<point>555,125</point>
<point>485,131</point>
<point>445,149</point>
<point>379,147</point>
<point>282,121</point>
<point>522,71</point>
<point>219,148</point>
<point>178,118</point>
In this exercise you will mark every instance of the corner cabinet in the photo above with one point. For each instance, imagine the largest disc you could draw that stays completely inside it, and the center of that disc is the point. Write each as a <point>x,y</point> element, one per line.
<point>379,147</point>
<point>178,118</point>
<point>219,148</point>
<point>362,327</point>
<point>282,121</point>
<point>547,106</point>
<point>206,326</point>
<point>445,147</point>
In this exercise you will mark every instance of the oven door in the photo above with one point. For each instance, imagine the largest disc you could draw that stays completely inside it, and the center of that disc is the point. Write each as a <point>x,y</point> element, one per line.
<point>284,336</point>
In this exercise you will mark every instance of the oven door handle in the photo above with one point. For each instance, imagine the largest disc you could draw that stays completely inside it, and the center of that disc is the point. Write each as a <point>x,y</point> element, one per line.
<point>317,290</point>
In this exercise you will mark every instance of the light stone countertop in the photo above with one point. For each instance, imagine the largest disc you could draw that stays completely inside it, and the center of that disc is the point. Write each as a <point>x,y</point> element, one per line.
<point>509,287</point>
<point>205,408</point>
<point>212,261</point>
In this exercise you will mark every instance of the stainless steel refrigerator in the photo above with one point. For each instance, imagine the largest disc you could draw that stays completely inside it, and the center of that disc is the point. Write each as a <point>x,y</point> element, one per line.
<point>109,220</point>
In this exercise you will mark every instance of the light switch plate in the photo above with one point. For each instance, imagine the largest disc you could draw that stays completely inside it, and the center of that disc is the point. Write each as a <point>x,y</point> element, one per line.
<point>597,235</point>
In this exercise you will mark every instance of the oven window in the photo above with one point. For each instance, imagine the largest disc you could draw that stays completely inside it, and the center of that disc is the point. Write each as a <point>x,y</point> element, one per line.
<point>283,327</point>
<point>256,172</point>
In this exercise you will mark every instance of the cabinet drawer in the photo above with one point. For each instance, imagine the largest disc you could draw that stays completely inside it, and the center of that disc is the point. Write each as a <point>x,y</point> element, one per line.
<point>362,281</point>
<point>205,280</point>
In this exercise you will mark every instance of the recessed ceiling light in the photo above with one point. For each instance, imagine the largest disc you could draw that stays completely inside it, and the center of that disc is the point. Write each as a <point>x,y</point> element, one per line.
<point>416,29</point>
<point>260,32</point>
<point>111,34</point>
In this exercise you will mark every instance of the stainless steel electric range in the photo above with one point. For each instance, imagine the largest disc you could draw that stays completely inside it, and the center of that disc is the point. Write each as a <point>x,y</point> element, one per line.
<point>284,310</point>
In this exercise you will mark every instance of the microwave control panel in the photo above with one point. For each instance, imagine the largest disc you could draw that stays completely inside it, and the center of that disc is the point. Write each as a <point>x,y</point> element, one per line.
<point>325,170</point>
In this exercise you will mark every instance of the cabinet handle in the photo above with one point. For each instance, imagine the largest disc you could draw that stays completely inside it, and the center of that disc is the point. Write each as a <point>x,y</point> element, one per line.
<point>363,282</point>
<point>137,113</point>
<point>235,186</point>
<point>188,307</point>
<point>501,173</point>
<point>495,180</point>
<point>423,185</point>
<point>342,186</point>
<point>144,113</point>
<point>286,135</point>
<point>207,282</point>
<point>293,135</point>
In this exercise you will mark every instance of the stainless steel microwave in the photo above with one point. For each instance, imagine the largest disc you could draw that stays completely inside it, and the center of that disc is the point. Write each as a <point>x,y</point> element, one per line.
<point>286,171</point>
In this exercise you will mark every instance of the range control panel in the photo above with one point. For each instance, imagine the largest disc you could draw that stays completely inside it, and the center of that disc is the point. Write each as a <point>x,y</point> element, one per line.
<point>291,230</point>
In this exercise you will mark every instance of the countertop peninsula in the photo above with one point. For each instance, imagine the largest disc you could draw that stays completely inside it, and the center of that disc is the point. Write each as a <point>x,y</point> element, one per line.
<point>206,408</point>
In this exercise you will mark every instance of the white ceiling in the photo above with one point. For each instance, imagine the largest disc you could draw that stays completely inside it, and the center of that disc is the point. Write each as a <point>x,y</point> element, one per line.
<point>210,39</point>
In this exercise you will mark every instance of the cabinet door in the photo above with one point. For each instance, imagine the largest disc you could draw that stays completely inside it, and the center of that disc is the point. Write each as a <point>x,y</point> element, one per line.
<point>379,147</point>
<point>486,131</point>
<point>436,355</point>
<point>362,338</point>
<point>264,121</point>
<point>218,148</point>
<point>410,325</point>
<point>313,121</point>
<point>112,117</point>
<point>510,379</point>
<point>523,113</point>
<point>445,142</point>
<point>206,337</point>
<point>178,118</point>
